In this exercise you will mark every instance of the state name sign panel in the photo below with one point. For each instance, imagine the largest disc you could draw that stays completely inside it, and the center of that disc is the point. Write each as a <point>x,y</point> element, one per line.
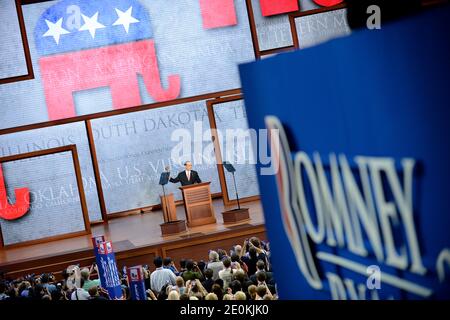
<point>133,150</point>
<point>317,28</point>
<point>231,121</point>
<point>53,137</point>
<point>13,63</point>
<point>275,31</point>
<point>55,207</point>
<point>93,56</point>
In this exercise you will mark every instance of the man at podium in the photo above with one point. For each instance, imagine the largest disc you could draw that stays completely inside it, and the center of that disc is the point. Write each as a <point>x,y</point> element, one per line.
<point>186,177</point>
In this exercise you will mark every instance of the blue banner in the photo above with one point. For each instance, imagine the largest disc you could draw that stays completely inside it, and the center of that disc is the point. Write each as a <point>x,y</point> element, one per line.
<point>96,241</point>
<point>357,205</point>
<point>136,283</point>
<point>109,270</point>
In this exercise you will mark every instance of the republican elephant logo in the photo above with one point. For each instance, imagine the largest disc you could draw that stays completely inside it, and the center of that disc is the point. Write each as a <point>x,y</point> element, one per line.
<point>108,45</point>
<point>20,208</point>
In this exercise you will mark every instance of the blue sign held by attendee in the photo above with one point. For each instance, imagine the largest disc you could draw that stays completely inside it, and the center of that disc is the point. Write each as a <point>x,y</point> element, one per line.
<point>96,241</point>
<point>358,203</point>
<point>109,270</point>
<point>136,283</point>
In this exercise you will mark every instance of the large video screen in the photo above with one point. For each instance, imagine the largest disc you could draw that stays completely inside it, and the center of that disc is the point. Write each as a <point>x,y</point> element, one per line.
<point>55,207</point>
<point>13,63</point>
<point>318,28</point>
<point>133,150</point>
<point>53,137</point>
<point>93,56</point>
<point>231,121</point>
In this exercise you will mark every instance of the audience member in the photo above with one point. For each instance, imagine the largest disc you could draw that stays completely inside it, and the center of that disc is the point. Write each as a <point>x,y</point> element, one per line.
<point>161,276</point>
<point>244,274</point>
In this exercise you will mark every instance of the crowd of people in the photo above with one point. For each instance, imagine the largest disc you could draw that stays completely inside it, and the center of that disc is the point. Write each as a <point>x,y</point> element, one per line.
<point>243,273</point>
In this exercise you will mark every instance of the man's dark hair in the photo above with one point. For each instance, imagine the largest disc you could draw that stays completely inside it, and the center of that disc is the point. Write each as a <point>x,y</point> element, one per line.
<point>195,289</point>
<point>167,261</point>
<point>162,295</point>
<point>201,265</point>
<point>235,286</point>
<point>45,278</point>
<point>219,282</point>
<point>261,276</point>
<point>235,257</point>
<point>252,252</point>
<point>217,289</point>
<point>158,262</point>
<point>56,295</point>
<point>183,263</point>
<point>227,262</point>
<point>190,265</point>
<point>261,265</point>
<point>246,284</point>
<point>209,273</point>
<point>255,241</point>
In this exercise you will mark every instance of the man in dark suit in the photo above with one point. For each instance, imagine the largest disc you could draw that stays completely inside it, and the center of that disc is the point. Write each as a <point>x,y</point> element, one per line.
<point>188,176</point>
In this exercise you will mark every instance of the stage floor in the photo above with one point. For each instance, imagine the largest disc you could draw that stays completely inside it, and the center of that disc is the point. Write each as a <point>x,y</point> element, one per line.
<point>130,233</point>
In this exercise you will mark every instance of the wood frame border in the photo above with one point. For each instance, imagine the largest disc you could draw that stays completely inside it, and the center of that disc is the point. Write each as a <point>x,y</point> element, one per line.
<point>212,121</point>
<point>116,112</point>
<point>26,49</point>
<point>253,31</point>
<point>25,2</point>
<point>76,164</point>
<point>96,169</point>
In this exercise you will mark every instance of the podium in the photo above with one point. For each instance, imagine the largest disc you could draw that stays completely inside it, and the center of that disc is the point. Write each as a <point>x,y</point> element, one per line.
<point>169,208</point>
<point>198,204</point>
<point>171,225</point>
